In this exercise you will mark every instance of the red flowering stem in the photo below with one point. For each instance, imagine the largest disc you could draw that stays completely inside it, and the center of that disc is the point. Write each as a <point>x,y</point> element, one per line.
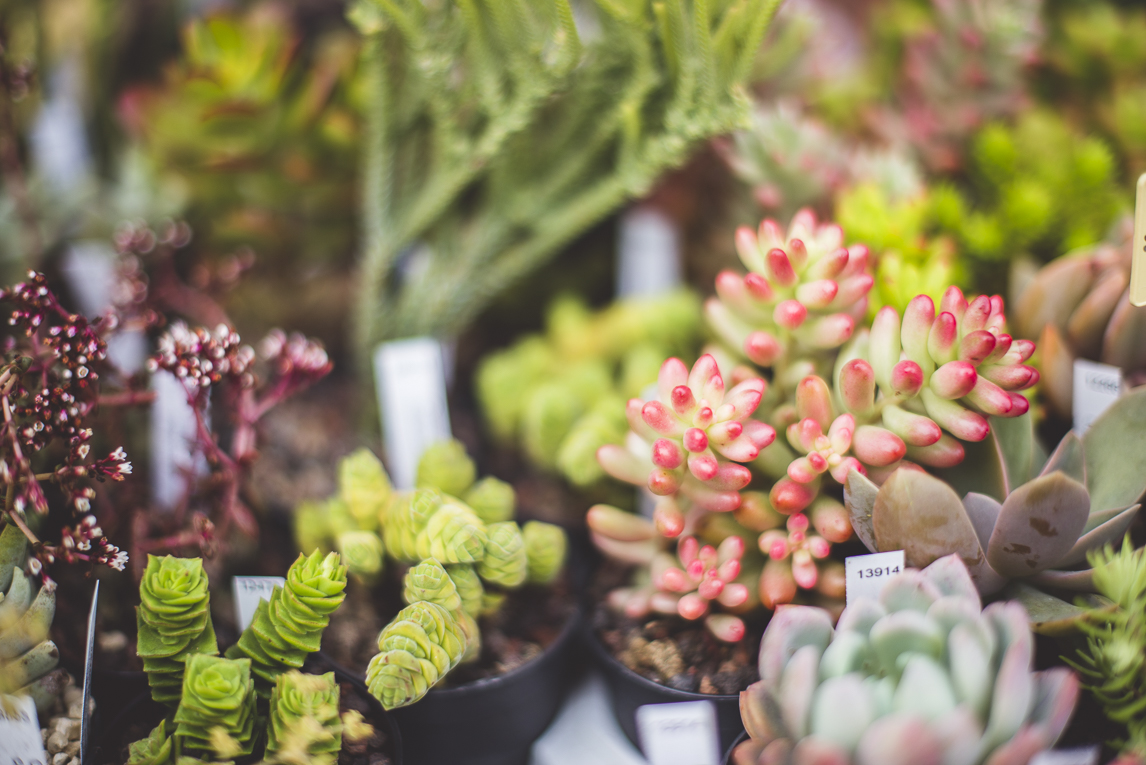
<point>127,398</point>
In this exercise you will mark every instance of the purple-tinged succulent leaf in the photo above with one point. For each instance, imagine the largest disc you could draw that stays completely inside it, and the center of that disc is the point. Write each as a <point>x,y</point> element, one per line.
<point>1122,343</point>
<point>1047,614</point>
<point>760,713</point>
<point>1038,524</point>
<point>909,590</point>
<point>903,632</point>
<point>984,514</point>
<point>860,616</point>
<point>899,739</point>
<point>1056,693</point>
<point>950,577</point>
<point>1103,534</point>
<point>815,751</point>
<point>1075,581</point>
<point>842,710</point>
<point>1014,686</point>
<point>791,628</point>
<point>859,499</point>
<point>1115,446</point>
<point>919,514</point>
<point>971,656</point>
<point>959,733</point>
<point>797,687</point>
<point>1068,458</point>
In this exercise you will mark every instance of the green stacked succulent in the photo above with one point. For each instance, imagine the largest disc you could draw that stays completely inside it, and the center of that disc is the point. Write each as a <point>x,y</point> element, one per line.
<point>419,647</point>
<point>217,705</point>
<point>156,749</point>
<point>544,551</point>
<point>505,562</point>
<point>304,717</point>
<point>289,626</point>
<point>27,656</point>
<point>174,622</point>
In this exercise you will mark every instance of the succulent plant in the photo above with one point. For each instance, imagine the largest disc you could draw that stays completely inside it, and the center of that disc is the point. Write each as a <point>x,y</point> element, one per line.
<point>545,546</point>
<point>430,524</point>
<point>468,585</point>
<point>801,298</point>
<point>445,466</point>
<point>27,656</point>
<point>416,649</point>
<point>174,622</point>
<point>429,581</point>
<point>1078,306</point>
<point>156,749</point>
<point>288,627</point>
<point>492,499</point>
<point>304,718</point>
<point>363,553</point>
<point>923,674</point>
<point>1017,521</point>
<point>505,562</point>
<point>364,487</point>
<point>218,695</point>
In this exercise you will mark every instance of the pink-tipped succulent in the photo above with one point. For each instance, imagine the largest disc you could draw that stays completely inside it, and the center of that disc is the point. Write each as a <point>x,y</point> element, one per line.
<point>792,556</point>
<point>690,439</point>
<point>802,295</point>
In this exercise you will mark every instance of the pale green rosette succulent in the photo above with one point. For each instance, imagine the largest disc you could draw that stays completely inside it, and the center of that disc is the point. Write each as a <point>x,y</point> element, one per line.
<point>406,518</point>
<point>304,718</point>
<point>453,534</point>
<point>492,499</point>
<point>545,547</point>
<point>416,650</point>
<point>363,553</point>
<point>217,693</point>
<point>27,656</point>
<point>446,466</point>
<point>505,561</point>
<point>174,622</point>
<point>289,626</point>
<point>919,675</point>
<point>365,488</point>
<point>469,586</point>
<point>429,581</point>
<point>153,750</point>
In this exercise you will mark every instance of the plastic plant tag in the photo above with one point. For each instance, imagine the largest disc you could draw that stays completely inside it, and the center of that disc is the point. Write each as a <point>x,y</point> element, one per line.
<point>410,379</point>
<point>648,248</point>
<point>865,575</point>
<point>172,434</point>
<point>1083,755</point>
<point>89,268</point>
<point>1096,387</point>
<point>683,733</point>
<point>20,741</point>
<point>1138,247</point>
<point>248,591</point>
<point>85,710</point>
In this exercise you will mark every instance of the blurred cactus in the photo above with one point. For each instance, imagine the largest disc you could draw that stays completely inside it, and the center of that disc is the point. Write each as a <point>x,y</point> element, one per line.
<point>1079,307</point>
<point>924,674</point>
<point>445,466</point>
<point>417,649</point>
<point>303,718</point>
<point>545,547</point>
<point>27,656</point>
<point>492,499</point>
<point>472,147</point>
<point>363,553</point>
<point>364,487</point>
<point>505,562</point>
<point>1018,523</point>
<point>173,621</point>
<point>1114,658</point>
<point>218,695</point>
<point>288,627</point>
<point>156,749</point>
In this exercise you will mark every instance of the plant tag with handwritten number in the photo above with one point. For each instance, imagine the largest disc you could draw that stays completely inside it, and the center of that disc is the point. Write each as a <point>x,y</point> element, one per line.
<point>1096,387</point>
<point>20,742</point>
<point>249,590</point>
<point>867,574</point>
<point>411,384</point>
<point>1083,755</point>
<point>683,733</point>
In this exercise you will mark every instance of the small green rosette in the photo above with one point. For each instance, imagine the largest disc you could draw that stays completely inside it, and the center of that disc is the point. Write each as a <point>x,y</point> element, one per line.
<point>469,586</point>
<point>453,534</point>
<point>304,717</point>
<point>217,693</point>
<point>406,518</point>
<point>363,553</point>
<point>365,488</point>
<point>492,499</point>
<point>505,561</point>
<point>429,581</point>
<point>153,750</point>
<point>446,466</point>
<point>545,549</point>
<point>416,650</point>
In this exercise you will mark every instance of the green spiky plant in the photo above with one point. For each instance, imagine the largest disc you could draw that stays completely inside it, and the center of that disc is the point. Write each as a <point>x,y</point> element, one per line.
<point>496,134</point>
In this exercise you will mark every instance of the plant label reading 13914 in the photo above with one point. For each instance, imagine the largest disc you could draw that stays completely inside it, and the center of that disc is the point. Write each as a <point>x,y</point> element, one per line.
<point>20,742</point>
<point>249,590</point>
<point>865,575</point>
<point>1084,755</point>
<point>411,383</point>
<point>679,734</point>
<point>1096,387</point>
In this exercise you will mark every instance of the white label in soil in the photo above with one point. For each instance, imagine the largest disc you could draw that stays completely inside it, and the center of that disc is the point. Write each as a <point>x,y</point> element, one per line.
<point>20,742</point>
<point>411,384</point>
<point>648,247</point>
<point>248,591</point>
<point>1085,755</point>
<point>172,435</point>
<point>1096,387</point>
<point>867,574</point>
<point>85,714</point>
<point>679,734</point>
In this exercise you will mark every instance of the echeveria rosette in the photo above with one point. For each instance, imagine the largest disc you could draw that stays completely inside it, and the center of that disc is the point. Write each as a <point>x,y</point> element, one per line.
<point>217,693</point>
<point>288,627</point>
<point>153,750</point>
<point>1021,527</point>
<point>416,650</point>
<point>545,548</point>
<point>695,434</point>
<point>802,296</point>
<point>303,715</point>
<point>173,621</point>
<point>923,674</point>
<point>27,656</point>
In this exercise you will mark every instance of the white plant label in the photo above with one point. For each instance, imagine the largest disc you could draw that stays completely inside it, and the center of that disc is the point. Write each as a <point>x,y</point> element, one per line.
<point>89,268</point>
<point>20,742</point>
<point>85,716</point>
<point>248,591</point>
<point>679,734</point>
<point>865,575</point>
<point>411,384</point>
<point>1096,387</point>
<point>648,253</point>
<point>1085,755</point>
<point>172,436</point>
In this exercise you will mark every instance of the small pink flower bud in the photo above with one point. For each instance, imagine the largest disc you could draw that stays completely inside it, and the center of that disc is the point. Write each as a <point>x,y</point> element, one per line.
<point>774,544</point>
<point>703,466</point>
<point>781,267</point>
<point>857,386</point>
<point>954,379</point>
<point>724,432</point>
<point>695,440</point>
<point>804,434</point>
<point>798,252</point>
<point>762,348</point>
<point>708,556</point>
<point>729,569</point>
<point>703,417</point>
<point>801,470</point>
<point>726,627</point>
<point>798,523</point>
<point>876,446</point>
<point>673,372</point>
<point>789,314</point>
<point>841,432</point>
<point>667,454</point>
<point>906,378</point>
<point>704,378</point>
<point>819,547</point>
<point>942,342</point>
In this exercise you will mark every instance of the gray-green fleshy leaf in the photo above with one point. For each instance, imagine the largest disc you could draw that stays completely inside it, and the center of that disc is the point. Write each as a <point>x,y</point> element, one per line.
<point>1075,581</point>
<point>984,513</point>
<point>859,498</point>
<point>1038,524</point>
<point>1115,447</point>
<point>1014,437</point>
<point>1068,458</point>
<point>1047,614</point>
<point>794,629</point>
<point>1094,538</point>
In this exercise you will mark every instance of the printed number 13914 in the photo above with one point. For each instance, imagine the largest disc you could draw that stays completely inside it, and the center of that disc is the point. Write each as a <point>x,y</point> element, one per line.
<point>872,573</point>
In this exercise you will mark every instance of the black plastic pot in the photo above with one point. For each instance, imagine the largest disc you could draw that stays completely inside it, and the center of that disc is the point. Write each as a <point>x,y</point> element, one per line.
<point>493,721</point>
<point>628,691</point>
<point>728,754</point>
